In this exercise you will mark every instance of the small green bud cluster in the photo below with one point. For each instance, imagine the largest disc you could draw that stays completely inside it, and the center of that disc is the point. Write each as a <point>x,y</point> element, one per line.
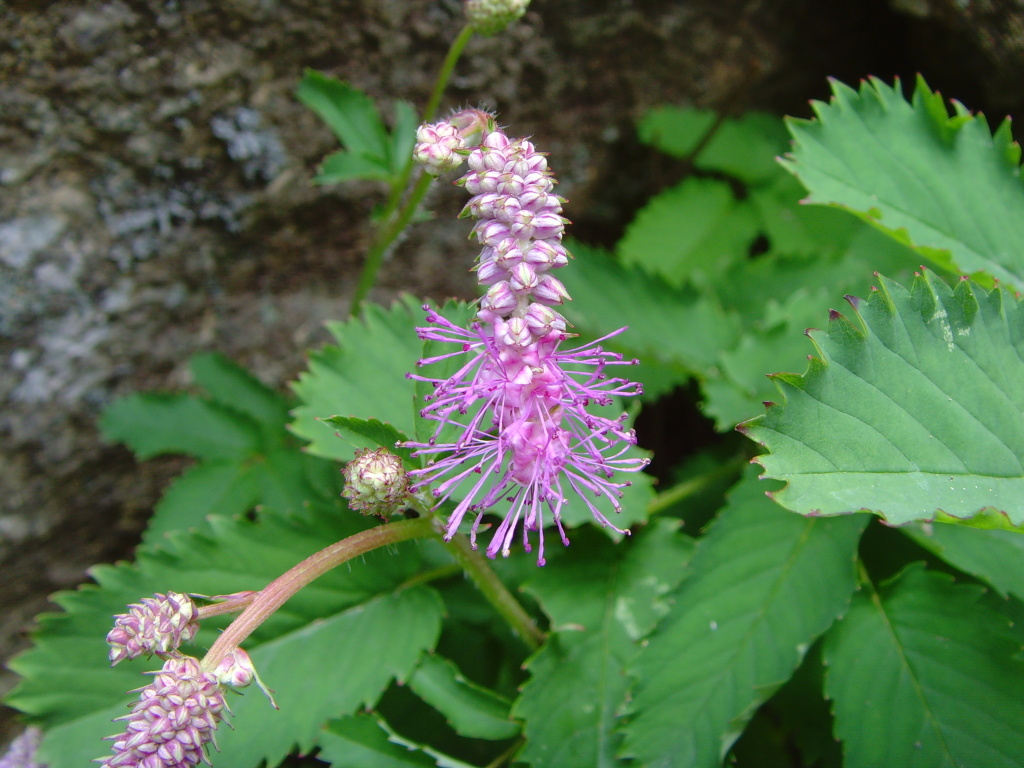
<point>375,483</point>
<point>489,17</point>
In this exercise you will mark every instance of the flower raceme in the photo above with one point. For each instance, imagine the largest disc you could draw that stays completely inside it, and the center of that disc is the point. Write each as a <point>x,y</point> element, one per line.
<point>518,404</point>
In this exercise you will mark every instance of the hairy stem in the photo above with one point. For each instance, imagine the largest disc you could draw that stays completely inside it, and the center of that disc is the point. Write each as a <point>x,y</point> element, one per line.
<point>275,594</point>
<point>496,593</point>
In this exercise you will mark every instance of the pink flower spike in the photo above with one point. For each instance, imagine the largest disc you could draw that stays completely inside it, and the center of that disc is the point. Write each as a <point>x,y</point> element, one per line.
<point>515,416</point>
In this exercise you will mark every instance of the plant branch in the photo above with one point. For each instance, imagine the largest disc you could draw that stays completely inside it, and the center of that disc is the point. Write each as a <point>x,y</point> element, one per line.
<point>496,593</point>
<point>275,594</point>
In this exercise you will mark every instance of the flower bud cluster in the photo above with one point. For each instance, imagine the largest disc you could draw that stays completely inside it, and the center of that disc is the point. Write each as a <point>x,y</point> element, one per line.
<point>157,625</point>
<point>437,147</point>
<point>489,17</point>
<point>520,228</point>
<point>375,482</point>
<point>173,721</point>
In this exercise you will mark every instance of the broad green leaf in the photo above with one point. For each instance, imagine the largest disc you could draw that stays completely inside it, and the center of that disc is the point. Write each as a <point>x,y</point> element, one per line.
<point>471,710</point>
<point>602,599</point>
<point>676,327</point>
<point>794,229</point>
<point>363,377</point>
<point>763,584</point>
<point>942,183</point>
<point>68,687</point>
<point>152,424</point>
<point>235,387</point>
<point>742,147</point>
<point>994,556</point>
<point>366,741</point>
<point>223,488</point>
<point>403,136</point>
<point>371,433</point>
<point>778,296</point>
<point>290,480</point>
<point>923,675</point>
<point>914,408</point>
<point>690,232</point>
<point>345,166</point>
<point>349,113</point>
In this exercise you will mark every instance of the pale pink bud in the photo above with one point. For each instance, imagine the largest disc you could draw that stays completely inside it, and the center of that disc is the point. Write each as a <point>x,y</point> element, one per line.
<point>547,254</point>
<point>489,272</point>
<point>543,320</point>
<point>513,333</point>
<point>499,301</point>
<point>523,279</point>
<point>235,670</point>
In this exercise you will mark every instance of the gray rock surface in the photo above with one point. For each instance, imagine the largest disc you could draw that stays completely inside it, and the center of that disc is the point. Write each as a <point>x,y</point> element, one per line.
<point>155,193</point>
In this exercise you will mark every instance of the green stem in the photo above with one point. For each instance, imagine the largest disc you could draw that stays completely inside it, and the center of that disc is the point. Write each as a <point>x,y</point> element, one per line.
<point>394,222</point>
<point>447,67</point>
<point>275,594</point>
<point>495,592</point>
<point>386,237</point>
<point>694,485</point>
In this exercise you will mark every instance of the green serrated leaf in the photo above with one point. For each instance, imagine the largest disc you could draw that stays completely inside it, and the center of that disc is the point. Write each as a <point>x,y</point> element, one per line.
<point>223,488</point>
<point>914,409</point>
<point>922,675</point>
<point>403,136</point>
<point>371,433</point>
<point>690,232</point>
<point>288,481</point>
<point>349,113</point>
<point>742,147</point>
<point>366,741</point>
<point>944,184</point>
<point>363,377</point>
<point>336,623</point>
<point>152,424</point>
<point>471,710</point>
<point>233,386</point>
<point>994,556</point>
<point>602,599</point>
<point>364,649</point>
<point>762,585</point>
<point>654,312</point>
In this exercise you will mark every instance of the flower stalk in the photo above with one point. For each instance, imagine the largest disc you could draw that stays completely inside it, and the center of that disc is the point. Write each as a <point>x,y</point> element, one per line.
<point>275,594</point>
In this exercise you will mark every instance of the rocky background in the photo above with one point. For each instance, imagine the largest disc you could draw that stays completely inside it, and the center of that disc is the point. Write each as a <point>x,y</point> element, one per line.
<point>155,193</point>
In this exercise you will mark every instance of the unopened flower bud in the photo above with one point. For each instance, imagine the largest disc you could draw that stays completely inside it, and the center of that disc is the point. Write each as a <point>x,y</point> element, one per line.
<point>550,291</point>
<point>543,320</point>
<point>523,279</point>
<point>437,147</point>
<point>375,482</point>
<point>547,254</point>
<point>157,624</point>
<point>514,333</point>
<point>499,301</point>
<point>235,670</point>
